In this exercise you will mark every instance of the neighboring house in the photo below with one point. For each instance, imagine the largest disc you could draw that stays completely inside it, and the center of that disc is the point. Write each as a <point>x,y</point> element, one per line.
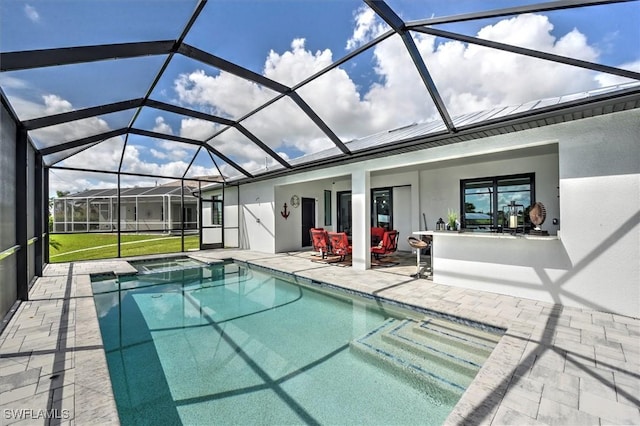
<point>153,209</point>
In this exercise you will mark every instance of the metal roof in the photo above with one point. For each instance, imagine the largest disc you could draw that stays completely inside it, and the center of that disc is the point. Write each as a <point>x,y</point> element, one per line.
<point>62,136</point>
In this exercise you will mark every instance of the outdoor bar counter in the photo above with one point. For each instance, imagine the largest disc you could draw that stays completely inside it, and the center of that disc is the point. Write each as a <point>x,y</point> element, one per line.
<point>497,262</point>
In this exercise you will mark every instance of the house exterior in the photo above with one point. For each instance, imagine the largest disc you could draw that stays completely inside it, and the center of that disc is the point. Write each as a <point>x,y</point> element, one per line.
<point>585,171</point>
<point>142,209</point>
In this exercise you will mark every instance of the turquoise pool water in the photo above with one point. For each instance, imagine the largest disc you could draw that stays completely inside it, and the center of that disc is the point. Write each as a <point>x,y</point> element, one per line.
<point>231,344</point>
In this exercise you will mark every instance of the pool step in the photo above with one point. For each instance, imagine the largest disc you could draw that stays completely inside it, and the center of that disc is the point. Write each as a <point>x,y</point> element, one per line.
<point>475,342</point>
<point>437,357</point>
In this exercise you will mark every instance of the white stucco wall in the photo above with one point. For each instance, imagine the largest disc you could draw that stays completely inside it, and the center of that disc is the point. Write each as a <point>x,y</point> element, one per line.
<point>231,213</point>
<point>600,216</point>
<point>257,217</point>
<point>501,263</point>
<point>289,230</point>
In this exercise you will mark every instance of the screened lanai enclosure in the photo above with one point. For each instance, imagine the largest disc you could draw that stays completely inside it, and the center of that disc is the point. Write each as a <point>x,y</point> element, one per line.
<point>106,102</point>
<point>154,209</point>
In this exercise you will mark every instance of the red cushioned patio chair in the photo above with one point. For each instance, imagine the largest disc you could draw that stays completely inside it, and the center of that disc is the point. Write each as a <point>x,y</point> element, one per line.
<point>388,245</point>
<point>376,235</point>
<point>320,241</point>
<point>340,244</point>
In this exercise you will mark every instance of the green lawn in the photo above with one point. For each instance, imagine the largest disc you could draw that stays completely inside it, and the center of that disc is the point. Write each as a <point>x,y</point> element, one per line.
<point>71,247</point>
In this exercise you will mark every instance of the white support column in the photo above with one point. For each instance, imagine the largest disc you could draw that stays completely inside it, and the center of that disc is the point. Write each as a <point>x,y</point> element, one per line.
<point>86,210</point>
<point>55,222</point>
<point>361,217</point>
<point>416,206</point>
<point>65,215</point>
<point>169,218</point>
<point>137,211</point>
<point>163,214</point>
<point>73,216</point>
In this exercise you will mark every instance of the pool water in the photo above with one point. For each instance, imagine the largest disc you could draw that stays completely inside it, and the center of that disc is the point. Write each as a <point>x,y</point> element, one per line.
<point>231,344</point>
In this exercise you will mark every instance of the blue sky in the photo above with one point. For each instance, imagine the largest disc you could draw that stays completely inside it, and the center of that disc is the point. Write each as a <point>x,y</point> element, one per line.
<point>287,41</point>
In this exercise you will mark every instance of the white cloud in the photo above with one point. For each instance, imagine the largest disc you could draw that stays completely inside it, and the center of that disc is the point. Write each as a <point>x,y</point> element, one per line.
<point>177,151</point>
<point>73,182</point>
<point>401,98</point>
<point>103,156</point>
<point>194,128</point>
<point>606,80</point>
<point>489,77</point>
<point>31,13</point>
<point>297,64</point>
<point>367,27</point>
<point>158,154</point>
<point>170,149</point>
<point>55,105</point>
<point>224,95</point>
<point>529,30</point>
<point>47,136</point>
<point>136,161</point>
<point>8,82</point>
<point>162,127</point>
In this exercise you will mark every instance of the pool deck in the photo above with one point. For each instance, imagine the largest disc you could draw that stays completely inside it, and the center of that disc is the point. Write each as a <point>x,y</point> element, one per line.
<point>554,366</point>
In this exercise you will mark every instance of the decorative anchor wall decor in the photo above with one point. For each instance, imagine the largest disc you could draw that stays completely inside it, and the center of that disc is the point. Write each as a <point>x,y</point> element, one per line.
<point>285,213</point>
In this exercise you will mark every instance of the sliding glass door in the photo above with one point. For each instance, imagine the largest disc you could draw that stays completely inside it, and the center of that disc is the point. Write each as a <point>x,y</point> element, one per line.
<point>381,209</point>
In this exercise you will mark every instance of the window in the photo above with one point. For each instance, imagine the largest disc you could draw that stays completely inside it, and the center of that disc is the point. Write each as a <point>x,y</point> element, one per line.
<point>216,210</point>
<point>381,208</point>
<point>484,200</point>
<point>327,208</point>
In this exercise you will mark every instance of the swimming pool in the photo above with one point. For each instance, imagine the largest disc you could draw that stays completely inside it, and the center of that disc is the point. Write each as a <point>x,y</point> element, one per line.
<point>231,343</point>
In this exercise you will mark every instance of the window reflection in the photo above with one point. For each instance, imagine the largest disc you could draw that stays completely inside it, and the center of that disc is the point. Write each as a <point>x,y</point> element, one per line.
<point>381,208</point>
<point>344,212</point>
<point>484,200</point>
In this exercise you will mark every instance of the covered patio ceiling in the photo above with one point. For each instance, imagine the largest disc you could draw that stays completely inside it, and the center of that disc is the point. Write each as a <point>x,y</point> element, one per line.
<point>239,91</point>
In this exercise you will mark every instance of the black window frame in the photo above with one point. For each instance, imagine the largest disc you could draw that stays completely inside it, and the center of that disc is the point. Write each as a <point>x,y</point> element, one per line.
<point>497,224</point>
<point>374,219</point>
